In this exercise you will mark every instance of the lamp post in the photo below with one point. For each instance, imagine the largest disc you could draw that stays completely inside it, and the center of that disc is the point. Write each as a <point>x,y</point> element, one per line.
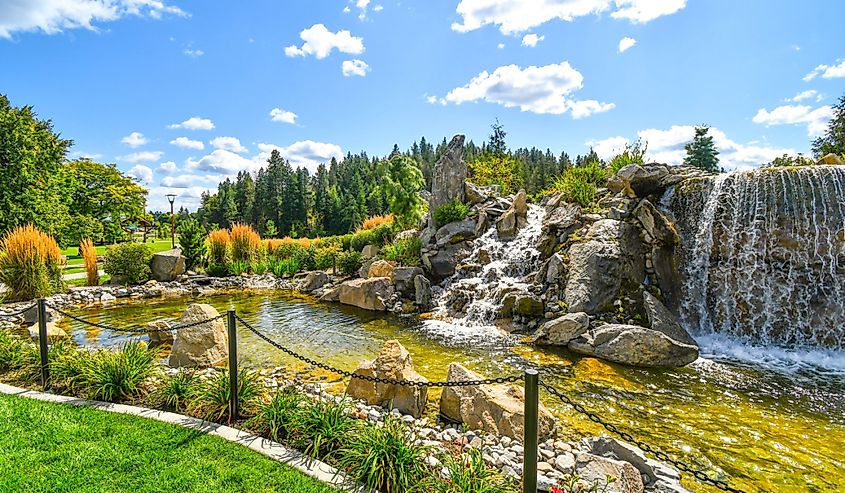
<point>172,197</point>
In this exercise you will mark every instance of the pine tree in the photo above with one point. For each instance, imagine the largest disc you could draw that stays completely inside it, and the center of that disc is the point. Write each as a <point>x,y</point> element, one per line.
<point>833,140</point>
<point>701,152</point>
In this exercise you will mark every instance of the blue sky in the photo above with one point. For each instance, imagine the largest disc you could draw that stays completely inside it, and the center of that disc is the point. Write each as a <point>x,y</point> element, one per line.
<point>182,93</point>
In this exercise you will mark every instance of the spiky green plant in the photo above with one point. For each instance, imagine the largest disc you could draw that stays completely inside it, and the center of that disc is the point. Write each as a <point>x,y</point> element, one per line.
<point>176,391</point>
<point>324,427</point>
<point>278,418</point>
<point>467,473</point>
<point>115,375</point>
<point>211,398</point>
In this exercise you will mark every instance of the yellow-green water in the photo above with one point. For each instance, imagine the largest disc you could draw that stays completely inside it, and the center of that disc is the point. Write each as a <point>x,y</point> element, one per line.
<point>762,430</point>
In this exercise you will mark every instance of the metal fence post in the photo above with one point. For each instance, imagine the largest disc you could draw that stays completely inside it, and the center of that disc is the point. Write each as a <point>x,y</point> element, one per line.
<point>532,405</point>
<point>233,365</point>
<point>42,343</point>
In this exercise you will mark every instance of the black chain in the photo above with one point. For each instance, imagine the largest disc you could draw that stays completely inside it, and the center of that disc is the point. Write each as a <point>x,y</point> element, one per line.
<point>18,313</point>
<point>134,330</point>
<point>388,381</point>
<point>681,466</point>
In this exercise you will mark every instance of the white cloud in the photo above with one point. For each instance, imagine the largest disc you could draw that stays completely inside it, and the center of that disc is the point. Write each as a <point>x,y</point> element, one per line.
<point>193,53</point>
<point>515,16</point>
<point>816,119</point>
<point>186,181</point>
<point>141,173</point>
<point>54,16</point>
<point>194,123</point>
<point>355,67</point>
<point>431,99</point>
<point>186,143</point>
<point>320,42</point>
<point>166,167</point>
<point>609,147</point>
<point>626,43</point>
<point>135,139</point>
<point>221,161</point>
<point>185,197</point>
<point>803,95</point>
<point>346,9</point>
<point>280,115</point>
<point>500,46</point>
<point>228,144</point>
<point>378,8</point>
<point>137,157</point>
<point>545,89</point>
<point>305,153</point>
<point>827,71</point>
<point>531,40</point>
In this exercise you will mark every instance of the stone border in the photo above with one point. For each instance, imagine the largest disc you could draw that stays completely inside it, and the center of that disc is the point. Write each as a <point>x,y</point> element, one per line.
<point>275,451</point>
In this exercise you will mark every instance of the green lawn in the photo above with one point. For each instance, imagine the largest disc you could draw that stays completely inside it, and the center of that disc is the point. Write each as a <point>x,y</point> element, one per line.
<point>47,447</point>
<point>73,257</point>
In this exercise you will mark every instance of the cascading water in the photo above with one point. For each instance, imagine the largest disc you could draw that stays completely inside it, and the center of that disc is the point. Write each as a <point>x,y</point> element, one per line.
<point>765,256</point>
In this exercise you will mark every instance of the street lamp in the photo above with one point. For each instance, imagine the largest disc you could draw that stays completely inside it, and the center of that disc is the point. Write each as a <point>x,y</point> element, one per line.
<point>170,198</point>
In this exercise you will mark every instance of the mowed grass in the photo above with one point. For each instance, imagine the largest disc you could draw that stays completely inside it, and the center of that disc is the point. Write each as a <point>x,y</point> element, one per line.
<point>46,447</point>
<point>73,257</point>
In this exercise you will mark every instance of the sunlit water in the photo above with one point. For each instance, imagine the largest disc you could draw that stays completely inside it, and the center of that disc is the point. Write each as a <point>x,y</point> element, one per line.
<point>767,420</point>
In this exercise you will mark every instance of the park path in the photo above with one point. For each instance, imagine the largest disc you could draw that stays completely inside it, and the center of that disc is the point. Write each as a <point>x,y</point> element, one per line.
<point>79,275</point>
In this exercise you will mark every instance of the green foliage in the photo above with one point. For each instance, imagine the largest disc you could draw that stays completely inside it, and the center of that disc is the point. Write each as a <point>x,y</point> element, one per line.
<point>324,427</point>
<point>349,262</point>
<point>285,267</point>
<point>176,391</point>
<point>379,236</point>
<point>278,419</point>
<point>451,212</point>
<point>701,152</point>
<point>217,270</point>
<point>192,241</point>
<point>497,169</point>
<point>130,262</point>
<point>326,257</point>
<point>385,457</point>
<point>211,397</point>
<point>833,140</point>
<point>104,374</point>
<point>261,267</point>
<point>579,183</point>
<point>572,483</point>
<point>469,474</point>
<point>79,227</point>
<point>305,258</point>
<point>16,353</point>
<point>405,251</point>
<point>632,154</point>
<point>270,230</point>
<point>402,184</point>
<point>787,160</point>
<point>238,267</point>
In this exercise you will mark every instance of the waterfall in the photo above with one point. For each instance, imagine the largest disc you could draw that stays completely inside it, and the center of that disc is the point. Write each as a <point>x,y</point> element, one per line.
<point>764,256</point>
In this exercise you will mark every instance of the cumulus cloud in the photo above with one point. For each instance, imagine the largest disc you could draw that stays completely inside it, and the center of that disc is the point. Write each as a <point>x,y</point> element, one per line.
<point>193,53</point>
<point>54,16</point>
<point>500,46</point>
<point>135,139</point>
<point>221,161</point>
<point>541,90</point>
<point>801,96</point>
<point>827,71</point>
<point>320,42</point>
<point>166,167</point>
<point>186,181</point>
<point>142,156</point>
<point>186,143</point>
<point>185,197</point>
<point>515,16</point>
<point>194,123</point>
<point>626,43</point>
<point>141,173</point>
<point>355,67</point>
<point>305,153</point>
<point>531,40</point>
<point>227,144</point>
<point>609,147</point>
<point>280,115</point>
<point>815,119</point>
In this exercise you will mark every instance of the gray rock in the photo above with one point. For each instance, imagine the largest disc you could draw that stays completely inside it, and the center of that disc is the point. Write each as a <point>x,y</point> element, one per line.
<point>403,280</point>
<point>167,265</point>
<point>440,263</point>
<point>201,345</point>
<point>313,280</point>
<point>662,320</point>
<point>364,271</point>
<point>657,225</point>
<point>455,232</point>
<point>449,177</point>
<point>159,334</point>
<point>54,332</point>
<point>634,345</point>
<point>369,252</point>
<point>30,316</point>
<point>560,331</point>
<point>477,195</point>
<point>506,224</point>
<point>520,207</point>
<point>422,292</point>
<point>393,363</point>
<point>369,294</point>
<point>592,468</point>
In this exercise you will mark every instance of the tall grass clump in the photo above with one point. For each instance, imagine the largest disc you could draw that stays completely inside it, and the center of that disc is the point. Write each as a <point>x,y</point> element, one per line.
<point>218,252</point>
<point>468,473</point>
<point>324,427</point>
<point>245,244</point>
<point>277,419</point>
<point>16,353</point>
<point>451,212</point>
<point>378,235</point>
<point>111,375</point>
<point>211,397</point>
<point>385,457</point>
<point>631,154</point>
<point>176,391</point>
<point>30,264</point>
<point>580,183</point>
<point>375,221</point>
<point>405,251</point>
<point>89,256</point>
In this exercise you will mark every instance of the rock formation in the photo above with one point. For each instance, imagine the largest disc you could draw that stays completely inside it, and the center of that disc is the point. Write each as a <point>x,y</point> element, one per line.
<point>202,345</point>
<point>394,363</point>
<point>167,265</point>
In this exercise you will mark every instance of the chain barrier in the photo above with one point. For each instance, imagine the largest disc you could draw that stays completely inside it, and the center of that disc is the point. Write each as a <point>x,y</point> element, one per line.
<point>133,330</point>
<point>19,313</point>
<point>388,381</point>
<point>681,466</point>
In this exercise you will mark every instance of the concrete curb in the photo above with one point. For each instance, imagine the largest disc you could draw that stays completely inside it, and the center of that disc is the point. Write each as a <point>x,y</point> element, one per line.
<point>292,458</point>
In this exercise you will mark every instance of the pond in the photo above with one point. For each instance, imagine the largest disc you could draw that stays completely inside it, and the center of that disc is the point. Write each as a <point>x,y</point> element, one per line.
<point>768,421</point>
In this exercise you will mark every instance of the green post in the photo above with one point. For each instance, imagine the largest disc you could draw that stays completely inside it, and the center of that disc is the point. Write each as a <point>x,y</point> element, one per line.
<point>532,406</point>
<point>42,343</point>
<point>233,365</point>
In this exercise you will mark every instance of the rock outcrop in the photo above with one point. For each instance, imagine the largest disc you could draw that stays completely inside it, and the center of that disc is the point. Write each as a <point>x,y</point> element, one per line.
<point>167,265</point>
<point>662,320</point>
<point>381,268</point>
<point>369,294</point>
<point>422,292</point>
<point>560,331</point>
<point>593,469</point>
<point>54,332</point>
<point>495,409</point>
<point>394,363</point>
<point>448,178</point>
<point>202,345</point>
<point>159,333</point>
<point>456,232</point>
<point>403,280</point>
<point>634,345</point>
<point>313,281</point>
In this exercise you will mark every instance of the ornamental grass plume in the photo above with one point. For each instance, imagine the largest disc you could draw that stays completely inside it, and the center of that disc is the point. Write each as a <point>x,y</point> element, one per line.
<point>89,256</point>
<point>218,246</point>
<point>376,221</point>
<point>30,263</point>
<point>245,243</point>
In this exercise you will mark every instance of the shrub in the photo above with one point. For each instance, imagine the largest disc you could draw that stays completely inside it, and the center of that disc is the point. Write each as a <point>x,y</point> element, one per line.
<point>497,169</point>
<point>323,428</point>
<point>245,243</point>
<point>379,236</point>
<point>16,353</point>
<point>277,420</point>
<point>285,267</point>
<point>341,241</point>
<point>109,375</point>
<point>218,247</point>
<point>349,262</point>
<point>572,483</point>
<point>469,473</point>
<point>30,264</point>
<point>130,262</point>
<point>176,391</point>
<point>579,184</point>
<point>89,256</point>
<point>632,154</point>
<point>405,251</point>
<point>325,257</point>
<point>238,267</point>
<point>451,212</point>
<point>211,399</point>
<point>287,247</point>
<point>385,457</point>
<point>375,221</point>
<point>192,241</point>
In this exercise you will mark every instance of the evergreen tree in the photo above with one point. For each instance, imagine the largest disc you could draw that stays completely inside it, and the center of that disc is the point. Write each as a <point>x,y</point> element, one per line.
<point>701,152</point>
<point>402,183</point>
<point>833,140</point>
<point>192,241</point>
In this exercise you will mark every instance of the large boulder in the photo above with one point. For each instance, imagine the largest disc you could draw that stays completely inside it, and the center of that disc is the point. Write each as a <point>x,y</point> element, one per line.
<point>657,225</point>
<point>639,180</point>
<point>477,195</point>
<point>609,259</point>
<point>830,158</point>
<point>422,292</point>
<point>449,177</point>
<point>202,345</point>
<point>506,225</point>
<point>167,265</point>
<point>662,320</point>
<point>519,302</point>
<point>520,207</point>
<point>54,332</point>
<point>440,262</point>
<point>634,345</point>
<point>381,268</point>
<point>369,251</point>
<point>403,280</point>
<point>313,280</point>
<point>656,476</point>
<point>159,333</point>
<point>456,232</point>
<point>30,316</point>
<point>561,217</point>
<point>560,331</point>
<point>497,409</point>
<point>593,469</point>
<point>394,363</point>
<point>369,294</point>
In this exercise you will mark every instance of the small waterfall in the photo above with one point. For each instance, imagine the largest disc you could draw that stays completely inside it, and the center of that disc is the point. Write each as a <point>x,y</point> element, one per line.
<point>764,256</point>
<point>496,267</point>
